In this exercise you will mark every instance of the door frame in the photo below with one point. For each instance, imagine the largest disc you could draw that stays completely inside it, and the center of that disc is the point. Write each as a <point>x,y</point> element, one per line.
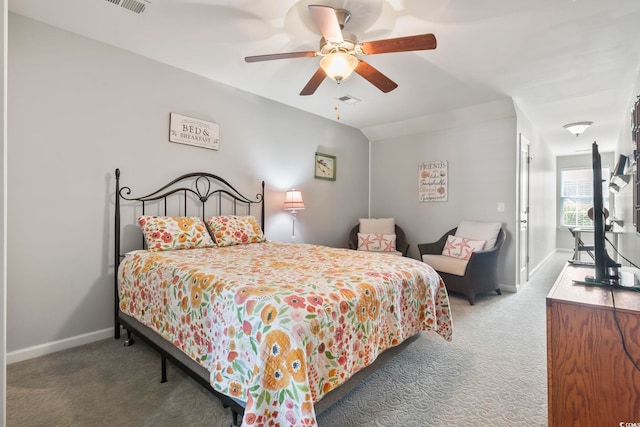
<point>522,255</point>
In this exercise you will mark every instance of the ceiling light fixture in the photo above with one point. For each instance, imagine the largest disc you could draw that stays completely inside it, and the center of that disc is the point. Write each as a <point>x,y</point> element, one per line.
<point>577,128</point>
<point>338,65</point>
<point>618,182</point>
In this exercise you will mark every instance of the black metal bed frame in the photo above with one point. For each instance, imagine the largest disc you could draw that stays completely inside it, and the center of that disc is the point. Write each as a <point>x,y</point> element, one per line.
<point>202,187</point>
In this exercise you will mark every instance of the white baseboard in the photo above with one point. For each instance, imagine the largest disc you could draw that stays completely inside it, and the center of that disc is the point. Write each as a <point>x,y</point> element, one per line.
<point>568,250</point>
<point>508,288</point>
<point>514,288</point>
<point>557,250</point>
<point>55,346</point>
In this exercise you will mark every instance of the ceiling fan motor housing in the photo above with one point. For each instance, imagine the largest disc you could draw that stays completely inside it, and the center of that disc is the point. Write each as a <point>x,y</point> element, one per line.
<point>348,45</point>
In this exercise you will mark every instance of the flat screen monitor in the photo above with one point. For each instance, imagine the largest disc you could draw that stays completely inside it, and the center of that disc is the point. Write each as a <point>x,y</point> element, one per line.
<point>620,166</point>
<point>606,269</point>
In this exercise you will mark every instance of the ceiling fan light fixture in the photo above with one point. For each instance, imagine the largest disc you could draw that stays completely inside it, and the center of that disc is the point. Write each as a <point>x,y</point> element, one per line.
<point>338,65</point>
<point>577,128</point>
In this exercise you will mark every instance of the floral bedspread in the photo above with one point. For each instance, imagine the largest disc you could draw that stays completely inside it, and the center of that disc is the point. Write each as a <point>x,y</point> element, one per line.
<point>279,325</point>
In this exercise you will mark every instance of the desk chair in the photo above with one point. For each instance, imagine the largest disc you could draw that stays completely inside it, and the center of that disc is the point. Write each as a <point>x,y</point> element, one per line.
<point>580,247</point>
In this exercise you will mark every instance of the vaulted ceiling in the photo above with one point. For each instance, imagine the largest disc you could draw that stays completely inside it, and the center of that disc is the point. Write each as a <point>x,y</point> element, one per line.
<point>560,61</point>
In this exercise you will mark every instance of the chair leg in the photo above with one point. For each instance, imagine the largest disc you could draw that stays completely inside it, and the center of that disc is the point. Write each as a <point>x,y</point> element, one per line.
<point>472,299</point>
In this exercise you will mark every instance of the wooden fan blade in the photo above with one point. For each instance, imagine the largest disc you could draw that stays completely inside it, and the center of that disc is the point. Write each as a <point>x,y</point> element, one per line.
<point>288,55</point>
<point>327,22</point>
<point>313,84</point>
<point>400,44</point>
<point>375,77</point>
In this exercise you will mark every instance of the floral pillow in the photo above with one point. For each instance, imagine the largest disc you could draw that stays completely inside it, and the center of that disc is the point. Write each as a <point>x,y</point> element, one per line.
<point>377,242</point>
<point>235,230</point>
<point>461,247</point>
<point>167,233</point>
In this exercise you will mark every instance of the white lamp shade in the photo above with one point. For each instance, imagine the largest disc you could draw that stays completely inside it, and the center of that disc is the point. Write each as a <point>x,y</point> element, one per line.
<point>293,201</point>
<point>578,127</point>
<point>338,65</point>
<point>618,182</point>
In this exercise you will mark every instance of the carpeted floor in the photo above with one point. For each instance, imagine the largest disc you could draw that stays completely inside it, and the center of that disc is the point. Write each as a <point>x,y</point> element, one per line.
<point>492,374</point>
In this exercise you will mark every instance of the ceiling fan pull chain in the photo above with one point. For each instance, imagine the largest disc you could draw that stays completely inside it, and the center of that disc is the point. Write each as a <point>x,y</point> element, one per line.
<point>336,106</point>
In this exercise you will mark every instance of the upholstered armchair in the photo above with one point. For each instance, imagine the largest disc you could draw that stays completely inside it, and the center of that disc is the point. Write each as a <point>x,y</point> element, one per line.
<point>385,227</point>
<point>471,267</point>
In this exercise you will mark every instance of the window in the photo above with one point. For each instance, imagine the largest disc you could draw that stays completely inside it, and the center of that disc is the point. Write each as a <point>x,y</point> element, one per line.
<point>576,196</point>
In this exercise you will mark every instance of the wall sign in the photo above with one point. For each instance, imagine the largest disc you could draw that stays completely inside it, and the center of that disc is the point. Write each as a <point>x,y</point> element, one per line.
<point>432,181</point>
<point>190,131</point>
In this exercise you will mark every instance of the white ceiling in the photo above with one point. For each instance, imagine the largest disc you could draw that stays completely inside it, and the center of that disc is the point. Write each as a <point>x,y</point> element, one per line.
<point>561,61</point>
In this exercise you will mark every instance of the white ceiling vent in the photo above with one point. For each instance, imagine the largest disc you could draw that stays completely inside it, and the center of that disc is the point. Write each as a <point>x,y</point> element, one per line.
<point>137,6</point>
<point>348,99</point>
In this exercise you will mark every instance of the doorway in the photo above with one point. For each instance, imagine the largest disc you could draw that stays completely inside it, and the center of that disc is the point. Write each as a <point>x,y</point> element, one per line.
<point>523,209</point>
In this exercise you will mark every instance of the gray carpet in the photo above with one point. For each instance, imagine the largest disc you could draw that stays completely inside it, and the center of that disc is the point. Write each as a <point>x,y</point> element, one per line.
<point>493,373</point>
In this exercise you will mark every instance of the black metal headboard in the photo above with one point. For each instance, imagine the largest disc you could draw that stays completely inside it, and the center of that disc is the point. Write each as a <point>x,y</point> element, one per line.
<point>197,188</point>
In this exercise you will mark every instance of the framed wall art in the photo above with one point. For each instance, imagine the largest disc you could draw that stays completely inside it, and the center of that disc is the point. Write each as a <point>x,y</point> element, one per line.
<point>325,166</point>
<point>433,181</point>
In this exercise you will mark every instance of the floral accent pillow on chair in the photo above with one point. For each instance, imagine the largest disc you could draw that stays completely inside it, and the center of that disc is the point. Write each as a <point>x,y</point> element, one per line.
<point>376,242</point>
<point>461,247</point>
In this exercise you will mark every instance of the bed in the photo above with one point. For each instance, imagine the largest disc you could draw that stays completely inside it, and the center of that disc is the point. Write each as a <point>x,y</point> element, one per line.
<point>277,331</point>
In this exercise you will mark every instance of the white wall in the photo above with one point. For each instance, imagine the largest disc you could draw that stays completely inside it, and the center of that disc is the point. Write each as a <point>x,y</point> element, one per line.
<point>629,242</point>
<point>542,203</point>
<point>542,194</point>
<point>3,216</point>
<point>482,155</point>
<point>77,110</point>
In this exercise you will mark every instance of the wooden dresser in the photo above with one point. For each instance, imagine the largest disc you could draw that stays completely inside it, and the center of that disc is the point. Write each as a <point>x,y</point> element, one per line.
<point>591,381</point>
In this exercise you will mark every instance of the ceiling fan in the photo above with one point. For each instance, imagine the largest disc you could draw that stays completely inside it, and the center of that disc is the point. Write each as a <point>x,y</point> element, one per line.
<point>340,51</point>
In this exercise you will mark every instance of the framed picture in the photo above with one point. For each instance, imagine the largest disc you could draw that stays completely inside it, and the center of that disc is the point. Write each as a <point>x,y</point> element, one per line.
<point>433,178</point>
<point>325,167</point>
